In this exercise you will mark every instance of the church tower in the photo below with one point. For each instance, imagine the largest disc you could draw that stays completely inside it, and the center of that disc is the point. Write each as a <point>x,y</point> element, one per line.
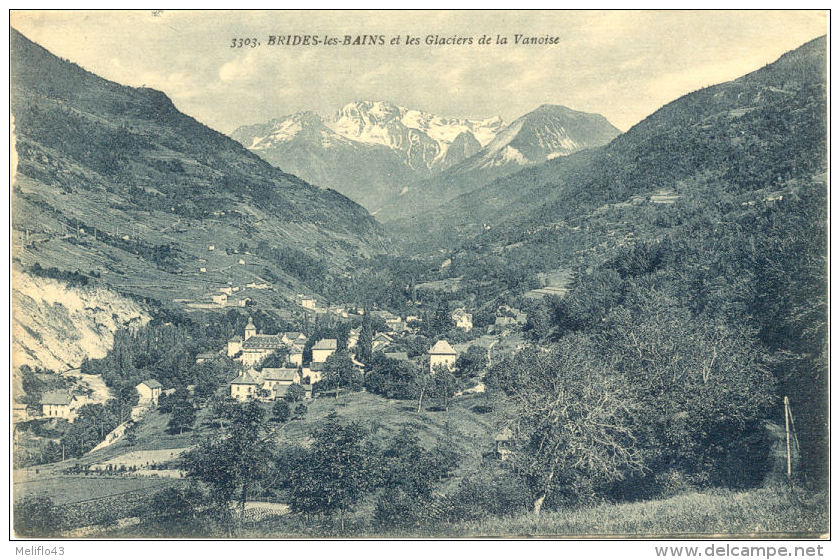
<point>250,329</point>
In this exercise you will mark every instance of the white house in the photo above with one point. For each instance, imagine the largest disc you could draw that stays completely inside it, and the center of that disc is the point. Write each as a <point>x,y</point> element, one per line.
<point>307,302</point>
<point>295,355</point>
<point>278,380</point>
<point>462,319</point>
<point>55,404</point>
<point>275,383</point>
<point>323,349</point>
<point>234,346</point>
<point>381,340</point>
<point>149,391</point>
<point>257,347</point>
<point>244,387</point>
<point>314,373</point>
<point>220,299</point>
<point>442,354</point>
<point>353,337</point>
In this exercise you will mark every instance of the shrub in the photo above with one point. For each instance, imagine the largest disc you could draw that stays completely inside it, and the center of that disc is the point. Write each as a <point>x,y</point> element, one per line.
<point>36,516</point>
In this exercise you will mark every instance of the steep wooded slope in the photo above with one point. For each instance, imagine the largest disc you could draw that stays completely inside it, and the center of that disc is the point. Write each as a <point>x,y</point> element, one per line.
<point>115,180</point>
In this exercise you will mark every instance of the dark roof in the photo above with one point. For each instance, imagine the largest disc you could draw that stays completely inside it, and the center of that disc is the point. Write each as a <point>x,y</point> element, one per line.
<point>55,397</point>
<point>326,344</point>
<point>397,355</point>
<point>294,335</point>
<point>263,342</point>
<point>244,379</point>
<point>279,374</point>
<point>316,366</point>
<point>151,384</point>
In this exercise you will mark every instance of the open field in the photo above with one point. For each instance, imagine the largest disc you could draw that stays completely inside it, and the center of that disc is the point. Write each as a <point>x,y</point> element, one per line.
<point>67,489</point>
<point>762,512</point>
<point>471,432</point>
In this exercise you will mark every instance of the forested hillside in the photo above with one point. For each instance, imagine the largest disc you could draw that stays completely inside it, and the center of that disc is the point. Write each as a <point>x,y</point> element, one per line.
<point>702,228</point>
<point>115,181</point>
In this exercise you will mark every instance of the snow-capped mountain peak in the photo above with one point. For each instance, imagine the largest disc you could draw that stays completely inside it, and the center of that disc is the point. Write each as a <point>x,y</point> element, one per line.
<point>411,131</point>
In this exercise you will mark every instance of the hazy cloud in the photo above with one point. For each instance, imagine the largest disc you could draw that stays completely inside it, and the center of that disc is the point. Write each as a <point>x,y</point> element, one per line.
<point>623,65</point>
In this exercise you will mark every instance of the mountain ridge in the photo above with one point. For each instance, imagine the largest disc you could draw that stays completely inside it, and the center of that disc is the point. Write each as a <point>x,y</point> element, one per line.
<point>721,131</point>
<point>116,181</point>
<point>547,132</point>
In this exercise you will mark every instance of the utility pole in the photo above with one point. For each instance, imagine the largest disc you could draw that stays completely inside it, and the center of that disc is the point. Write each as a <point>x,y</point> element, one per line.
<point>787,434</point>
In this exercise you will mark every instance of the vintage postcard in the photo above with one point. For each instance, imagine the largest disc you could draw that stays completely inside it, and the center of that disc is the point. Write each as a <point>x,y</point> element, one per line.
<point>419,274</point>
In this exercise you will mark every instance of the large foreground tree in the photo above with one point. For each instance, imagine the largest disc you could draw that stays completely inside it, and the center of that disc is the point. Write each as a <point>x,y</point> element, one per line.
<point>572,429</point>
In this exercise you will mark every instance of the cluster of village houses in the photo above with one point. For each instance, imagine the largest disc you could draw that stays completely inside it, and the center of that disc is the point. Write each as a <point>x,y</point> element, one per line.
<point>61,404</point>
<point>271,383</point>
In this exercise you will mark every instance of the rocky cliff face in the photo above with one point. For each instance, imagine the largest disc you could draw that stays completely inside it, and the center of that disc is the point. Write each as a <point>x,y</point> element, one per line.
<point>56,326</point>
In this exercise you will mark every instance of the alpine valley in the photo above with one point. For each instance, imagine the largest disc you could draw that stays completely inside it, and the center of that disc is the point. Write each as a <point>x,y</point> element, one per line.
<point>386,322</point>
<point>395,160</point>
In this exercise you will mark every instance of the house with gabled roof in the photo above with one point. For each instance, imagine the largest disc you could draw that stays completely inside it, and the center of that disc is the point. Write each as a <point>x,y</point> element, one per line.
<point>149,391</point>
<point>56,404</point>
<point>294,337</point>
<point>381,340</point>
<point>442,354</point>
<point>244,387</point>
<point>462,319</point>
<point>323,349</point>
<point>278,380</point>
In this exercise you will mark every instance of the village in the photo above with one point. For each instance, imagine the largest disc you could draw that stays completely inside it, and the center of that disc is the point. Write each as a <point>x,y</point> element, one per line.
<point>308,376</point>
<point>269,367</point>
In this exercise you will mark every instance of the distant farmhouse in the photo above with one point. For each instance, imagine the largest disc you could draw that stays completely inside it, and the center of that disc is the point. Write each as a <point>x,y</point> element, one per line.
<point>462,319</point>
<point>307,302</point>
<point>442,354</point>
<point>149,391</point>
<point>56,404</point>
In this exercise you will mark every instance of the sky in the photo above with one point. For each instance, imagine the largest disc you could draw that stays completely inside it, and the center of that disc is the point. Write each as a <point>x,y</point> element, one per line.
<point>623,65</point>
